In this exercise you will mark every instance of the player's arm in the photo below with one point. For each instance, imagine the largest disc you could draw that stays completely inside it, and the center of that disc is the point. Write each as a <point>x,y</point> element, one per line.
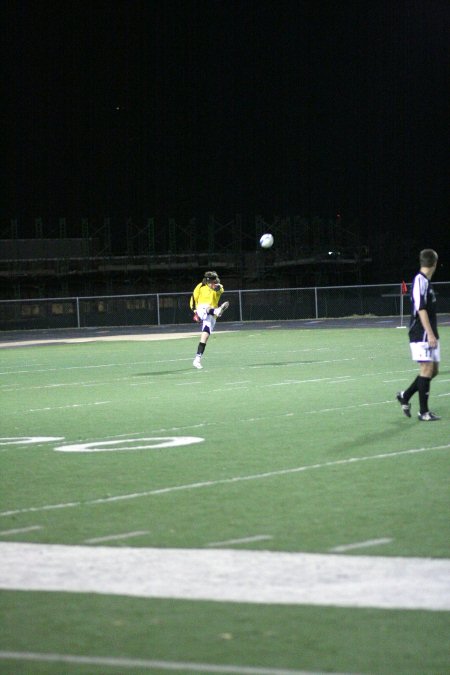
<point>218,289</point>
<point>193,302</point>
<point>419,296</point>
<point>431,338</point>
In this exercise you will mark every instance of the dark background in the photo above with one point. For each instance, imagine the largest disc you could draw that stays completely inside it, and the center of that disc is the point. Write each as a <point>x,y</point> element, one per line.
<point>334,110</point>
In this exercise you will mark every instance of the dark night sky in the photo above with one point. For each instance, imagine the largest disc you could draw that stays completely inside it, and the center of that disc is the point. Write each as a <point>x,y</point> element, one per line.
<point>310,107</point>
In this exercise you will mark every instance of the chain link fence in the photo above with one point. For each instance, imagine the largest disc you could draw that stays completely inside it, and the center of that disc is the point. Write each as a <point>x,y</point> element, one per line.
<point>162,309</point>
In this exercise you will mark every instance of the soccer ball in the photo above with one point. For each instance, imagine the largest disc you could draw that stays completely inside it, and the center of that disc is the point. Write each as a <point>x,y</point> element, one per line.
<point>266,241</point>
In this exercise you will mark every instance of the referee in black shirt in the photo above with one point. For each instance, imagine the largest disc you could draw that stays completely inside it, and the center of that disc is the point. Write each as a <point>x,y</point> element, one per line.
<point>423,337</point>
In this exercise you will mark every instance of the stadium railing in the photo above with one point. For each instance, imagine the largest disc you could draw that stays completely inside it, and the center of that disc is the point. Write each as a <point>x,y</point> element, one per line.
<point>161,309</point>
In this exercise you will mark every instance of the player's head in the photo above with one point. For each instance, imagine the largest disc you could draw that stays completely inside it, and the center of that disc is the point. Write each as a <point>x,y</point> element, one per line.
<point>211,277</point>
<point>428,258</point>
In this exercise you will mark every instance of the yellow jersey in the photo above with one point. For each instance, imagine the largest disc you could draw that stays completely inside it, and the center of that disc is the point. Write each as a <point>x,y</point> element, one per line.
<point>205,295</point>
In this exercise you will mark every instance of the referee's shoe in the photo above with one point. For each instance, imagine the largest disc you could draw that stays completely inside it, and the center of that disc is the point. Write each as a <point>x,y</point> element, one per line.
<point>428,416</point>
<point>406,407</point>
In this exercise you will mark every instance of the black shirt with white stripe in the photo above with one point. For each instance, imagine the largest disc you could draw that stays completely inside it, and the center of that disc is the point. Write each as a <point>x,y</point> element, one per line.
<point>422,297</point>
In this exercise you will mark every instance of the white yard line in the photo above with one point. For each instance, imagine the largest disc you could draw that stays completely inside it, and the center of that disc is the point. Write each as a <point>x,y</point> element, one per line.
<point>29,440</point>
<point>360,544</point>
<point>290,382</point>
<point>149,664</point>
<point>115,537</point>
<point>66,407</point>
<point>266,417</point>
<point>290,364</point>
<point>19,530</point>
<point>229,384</point>
<point>242,540</point>
<point>140,337</point>
<point>228,575</point>
<point>346,407</point>
<point>350,379</point>
<point>224,481</point>
<point>227,388</point>
<point>89,366</point>
<point>188,384</point>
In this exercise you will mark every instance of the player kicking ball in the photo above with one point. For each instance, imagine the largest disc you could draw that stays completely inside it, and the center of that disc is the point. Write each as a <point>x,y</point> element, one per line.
<point>204,303</point>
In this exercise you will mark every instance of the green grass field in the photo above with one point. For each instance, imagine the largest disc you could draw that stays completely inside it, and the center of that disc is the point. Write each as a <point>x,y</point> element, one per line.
<point>288,441</point>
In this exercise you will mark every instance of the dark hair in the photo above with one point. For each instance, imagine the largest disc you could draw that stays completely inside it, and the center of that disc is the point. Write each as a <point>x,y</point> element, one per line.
<point>428,257</point>
<point>210,276</point>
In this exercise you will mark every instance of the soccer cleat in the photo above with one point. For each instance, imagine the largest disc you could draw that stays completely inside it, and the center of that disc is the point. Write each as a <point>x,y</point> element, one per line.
<point>428,416</point>
<point>220,310</point>
<point>197,363</point>
<point>406,407</point>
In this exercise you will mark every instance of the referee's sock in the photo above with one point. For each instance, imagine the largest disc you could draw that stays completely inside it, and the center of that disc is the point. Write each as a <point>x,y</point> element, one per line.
<point>423,386</point>
<point>413,387</point>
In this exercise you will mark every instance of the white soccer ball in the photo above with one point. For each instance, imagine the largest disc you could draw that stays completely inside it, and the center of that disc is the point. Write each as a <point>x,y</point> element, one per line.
<point>266,241</point>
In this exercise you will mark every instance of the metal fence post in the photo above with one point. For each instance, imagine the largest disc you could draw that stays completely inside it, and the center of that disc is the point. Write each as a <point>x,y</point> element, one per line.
<point>401,306</point>
<point>157,309</point>
<point>316,301</point>
<point>78,312</point>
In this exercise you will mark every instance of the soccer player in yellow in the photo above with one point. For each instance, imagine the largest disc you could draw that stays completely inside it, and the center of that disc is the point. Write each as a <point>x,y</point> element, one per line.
<point>204,303</point>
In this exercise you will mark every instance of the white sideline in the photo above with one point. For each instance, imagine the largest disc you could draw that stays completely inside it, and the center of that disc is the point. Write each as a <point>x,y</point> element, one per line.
<point>149,664</point>
<point>227,575</point>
